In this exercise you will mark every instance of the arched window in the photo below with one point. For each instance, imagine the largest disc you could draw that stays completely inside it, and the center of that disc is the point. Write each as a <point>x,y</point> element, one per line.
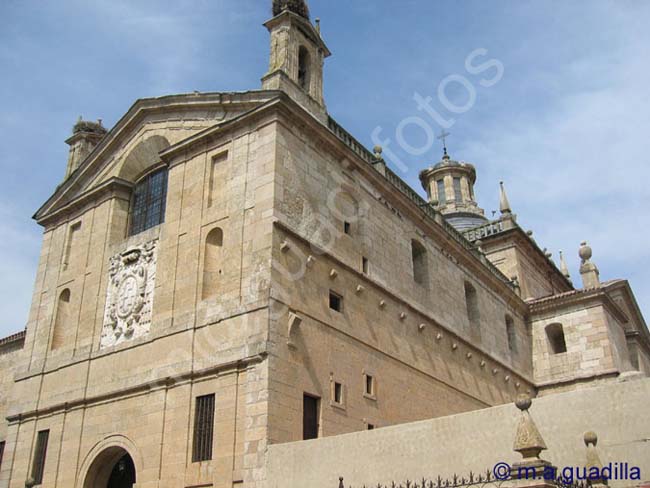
<point>148,204</point>
<point>512,336</point>
<point>556,340</point>
<point>419,261</point>
<point>471,302</point>
<point>212,262</point>
<point>304,68</point>
<point>62,319</point>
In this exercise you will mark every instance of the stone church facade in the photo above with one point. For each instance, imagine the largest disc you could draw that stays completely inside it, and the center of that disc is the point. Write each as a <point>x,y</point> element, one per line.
<point>225,271</point>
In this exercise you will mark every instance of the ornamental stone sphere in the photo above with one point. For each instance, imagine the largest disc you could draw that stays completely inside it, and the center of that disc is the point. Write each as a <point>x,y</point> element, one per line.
<point>591,438</point>
<point>585,251</point>
<point>523,401</point>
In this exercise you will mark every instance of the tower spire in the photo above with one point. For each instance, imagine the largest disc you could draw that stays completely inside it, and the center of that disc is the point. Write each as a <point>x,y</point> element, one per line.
<point>504,204</point>
<point>563,266</point>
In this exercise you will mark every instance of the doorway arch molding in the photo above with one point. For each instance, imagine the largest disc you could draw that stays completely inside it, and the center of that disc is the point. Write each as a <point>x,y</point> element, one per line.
<point>100,459</point>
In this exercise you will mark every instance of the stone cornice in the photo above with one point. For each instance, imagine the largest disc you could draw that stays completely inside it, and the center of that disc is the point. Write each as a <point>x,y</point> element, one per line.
<point>108,189</point>
<point>611,373</point>
<point>141,388</point>
<point>596,296</point>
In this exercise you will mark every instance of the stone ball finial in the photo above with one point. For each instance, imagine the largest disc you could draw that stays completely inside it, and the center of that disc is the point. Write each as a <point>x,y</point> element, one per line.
<point>585,252</point>
<point>523,401</point>
<point>591,438</point>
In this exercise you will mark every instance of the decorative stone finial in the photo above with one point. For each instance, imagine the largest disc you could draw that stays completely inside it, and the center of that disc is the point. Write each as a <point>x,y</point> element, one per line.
<point>585,252</point>
<point>563,266</point>
<point>591,438</point>
<point>504,204</point>
<point>588,270</point>
<point>378,150</point>
<point>593,459</point>
<point>528,440</point>
<point>523,402</point>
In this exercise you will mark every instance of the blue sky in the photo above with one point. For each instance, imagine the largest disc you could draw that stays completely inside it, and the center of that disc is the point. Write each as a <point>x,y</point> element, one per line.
<point>566,127</point>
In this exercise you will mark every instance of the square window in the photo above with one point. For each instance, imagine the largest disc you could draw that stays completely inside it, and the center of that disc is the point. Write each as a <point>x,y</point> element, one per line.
<point>371,427</point>
<point>364,265</point>
<point>336,301</point>
<point>347,227</point>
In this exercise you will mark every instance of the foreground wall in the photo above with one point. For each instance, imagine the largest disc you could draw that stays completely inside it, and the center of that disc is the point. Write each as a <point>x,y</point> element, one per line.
<point>475,441</point>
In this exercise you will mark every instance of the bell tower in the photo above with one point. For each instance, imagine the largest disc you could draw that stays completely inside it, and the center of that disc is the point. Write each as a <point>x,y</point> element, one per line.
<point>297,56</point>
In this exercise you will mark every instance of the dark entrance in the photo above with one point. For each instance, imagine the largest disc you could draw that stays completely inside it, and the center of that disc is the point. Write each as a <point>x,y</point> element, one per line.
<point>123,474</point>
<point>310,408</point>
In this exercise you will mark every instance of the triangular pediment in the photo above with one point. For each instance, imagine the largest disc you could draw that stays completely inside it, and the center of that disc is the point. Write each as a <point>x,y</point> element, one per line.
<point>147,129</point>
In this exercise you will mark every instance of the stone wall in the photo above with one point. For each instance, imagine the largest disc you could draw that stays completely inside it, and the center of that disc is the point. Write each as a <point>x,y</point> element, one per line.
<point>318,191</point>
<point>595,344</point>
<point>84,389</point>
<point>415,338</point>
<point>475,441</point>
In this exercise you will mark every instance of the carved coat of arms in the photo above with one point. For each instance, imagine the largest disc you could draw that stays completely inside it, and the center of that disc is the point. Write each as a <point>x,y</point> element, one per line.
<point>131,277</point>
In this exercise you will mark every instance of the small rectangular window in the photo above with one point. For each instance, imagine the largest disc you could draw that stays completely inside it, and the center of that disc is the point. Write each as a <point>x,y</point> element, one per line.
<point>336,301</point>
<point>371,427</point>
<point>338,393</point>
<point>40,453</point>
<point>370,385</point>
<point>347,228</point>
<point>203,428</point>
<point>310,412</point>
<point>2,452</point>
<point>364,265</point>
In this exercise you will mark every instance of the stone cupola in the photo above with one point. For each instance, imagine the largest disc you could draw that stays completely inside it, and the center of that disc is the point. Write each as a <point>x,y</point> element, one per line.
<point>297,56</point>
<point>85,137</point>
<point>450,187</point>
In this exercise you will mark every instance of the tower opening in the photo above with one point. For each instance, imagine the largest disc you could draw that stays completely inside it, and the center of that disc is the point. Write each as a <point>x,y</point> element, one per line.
<point>304,71</point>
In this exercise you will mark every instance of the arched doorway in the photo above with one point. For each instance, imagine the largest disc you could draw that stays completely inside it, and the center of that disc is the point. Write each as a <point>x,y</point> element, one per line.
<point>112,468</point>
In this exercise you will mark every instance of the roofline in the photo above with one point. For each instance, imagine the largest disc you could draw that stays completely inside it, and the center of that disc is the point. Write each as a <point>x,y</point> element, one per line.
<point>516,229</point>
<point>553,302</point>
<point>17,337</point>
<point>139,109</point>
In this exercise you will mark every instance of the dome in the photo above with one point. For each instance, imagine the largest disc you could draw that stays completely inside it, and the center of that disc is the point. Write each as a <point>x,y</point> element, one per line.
<point>298,7</point>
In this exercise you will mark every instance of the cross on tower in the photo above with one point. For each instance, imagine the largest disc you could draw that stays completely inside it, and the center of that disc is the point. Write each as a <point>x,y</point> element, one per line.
<point>443,136</point>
